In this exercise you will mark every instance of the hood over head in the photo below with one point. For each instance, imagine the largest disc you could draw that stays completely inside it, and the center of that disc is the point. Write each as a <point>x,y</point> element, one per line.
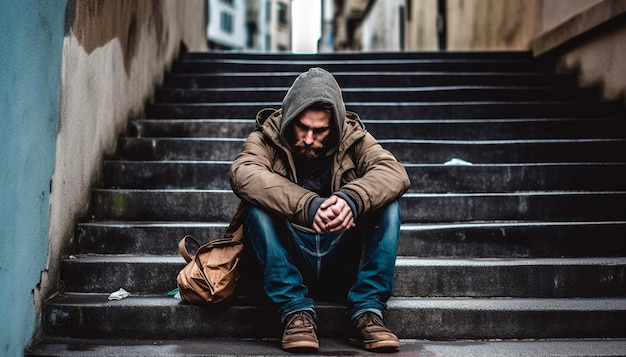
<point>314,86</point>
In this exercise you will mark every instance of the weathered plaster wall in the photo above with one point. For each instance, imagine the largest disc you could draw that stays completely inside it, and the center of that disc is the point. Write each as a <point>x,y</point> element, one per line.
<point>543,26</point>
<point>380,29</point>
<point>72,74</point>
<point>492,24</point>
<point>30,62</point>
<point>554,12</point>
<point>421,26</point>
<point>589,38</point>
<point>114,54</point>
<point>601,63</point>
<point>473,25</point>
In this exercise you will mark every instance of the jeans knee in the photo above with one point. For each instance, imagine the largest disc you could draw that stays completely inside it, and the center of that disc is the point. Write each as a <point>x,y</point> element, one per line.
<point>254,215</point>
<point>391,213</point>
<point>262,229</point>
<point>257,221</point>
<point>389,219</point>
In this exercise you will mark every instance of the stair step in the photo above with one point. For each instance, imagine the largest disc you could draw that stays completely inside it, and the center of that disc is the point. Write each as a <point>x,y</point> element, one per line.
<point>199,66</point>
<point>514,239</point>
<point>515,177</point>
<point>149,238</point>
<point>164,205</point>
<point>93,316</point>
<point>530,206</point>
<point>427,277</point>
<point>391,94</point>
<point>370,79</point>
<point>215,128</point>
<point>220,205</point>
<point>468,55</point>
<point>424,178</point>
<point>512,277</point>
<point>406,151</point>
<point>405,110</point>
<point>509,151</point>
<point>526,242</point>
<point>452,129</point>
<point>328,347</point>
<point>167,174</point>
<point>461,240</point>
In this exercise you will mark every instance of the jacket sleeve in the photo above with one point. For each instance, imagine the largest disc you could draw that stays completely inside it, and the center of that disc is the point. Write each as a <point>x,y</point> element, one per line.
<point>380,178</point>
<point>254,180</point>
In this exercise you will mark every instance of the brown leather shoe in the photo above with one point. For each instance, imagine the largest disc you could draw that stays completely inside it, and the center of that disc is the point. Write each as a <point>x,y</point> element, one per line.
<point>369,332</point>
<point>300,333</point>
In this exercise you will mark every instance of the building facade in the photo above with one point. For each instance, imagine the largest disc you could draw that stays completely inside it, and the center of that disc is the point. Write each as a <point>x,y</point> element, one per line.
<point>383,28</point>
<point>268,25</point>
<point>586,36</point>
<point>255,25</point>
<point>226,28</point>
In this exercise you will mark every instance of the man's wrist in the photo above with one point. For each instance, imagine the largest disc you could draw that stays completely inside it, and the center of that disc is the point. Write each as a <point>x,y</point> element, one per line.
<point>313,207</point>
<point>350,200</point>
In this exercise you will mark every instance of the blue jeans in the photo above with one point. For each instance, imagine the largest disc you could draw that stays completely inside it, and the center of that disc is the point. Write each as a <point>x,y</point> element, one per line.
<point>299,266</point>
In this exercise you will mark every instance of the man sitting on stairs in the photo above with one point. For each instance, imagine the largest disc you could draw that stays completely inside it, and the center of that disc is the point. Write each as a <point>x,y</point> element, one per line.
<point>320,209</point>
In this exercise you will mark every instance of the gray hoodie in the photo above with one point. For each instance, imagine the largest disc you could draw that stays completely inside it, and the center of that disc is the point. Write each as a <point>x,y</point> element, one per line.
<point>264,172</point>
<point>315,85</point>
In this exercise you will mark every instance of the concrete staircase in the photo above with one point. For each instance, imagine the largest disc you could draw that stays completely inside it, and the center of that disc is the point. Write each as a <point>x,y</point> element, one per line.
<point>519,247</point>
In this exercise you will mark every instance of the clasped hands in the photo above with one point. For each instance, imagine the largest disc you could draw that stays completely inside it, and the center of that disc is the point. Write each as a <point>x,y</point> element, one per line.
<point>334,215</point>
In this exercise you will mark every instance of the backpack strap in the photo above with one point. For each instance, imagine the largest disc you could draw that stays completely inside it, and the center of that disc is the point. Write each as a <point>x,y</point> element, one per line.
<point>237,235</point>
<point>182,248</point>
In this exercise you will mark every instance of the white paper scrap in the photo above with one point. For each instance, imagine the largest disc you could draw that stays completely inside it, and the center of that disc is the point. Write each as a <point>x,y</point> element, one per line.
<point>119,295</point>
<point>456,161</point>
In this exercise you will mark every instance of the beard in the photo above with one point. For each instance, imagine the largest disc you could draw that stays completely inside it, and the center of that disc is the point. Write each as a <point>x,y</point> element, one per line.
<point>310,152</point>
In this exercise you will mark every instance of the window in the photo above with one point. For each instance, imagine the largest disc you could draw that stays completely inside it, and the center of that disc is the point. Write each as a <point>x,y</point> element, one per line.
<point>229,2</point>
<point>251,34</point>
<point>282,13</point>
<point>226,22</point>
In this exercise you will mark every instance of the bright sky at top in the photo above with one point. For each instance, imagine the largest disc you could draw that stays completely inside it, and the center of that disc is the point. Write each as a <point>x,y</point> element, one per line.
<point>306,25</point>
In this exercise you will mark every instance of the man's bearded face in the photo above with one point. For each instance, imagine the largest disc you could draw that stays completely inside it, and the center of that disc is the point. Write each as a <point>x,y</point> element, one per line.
<point>311,130</point>
<point>311,151</point>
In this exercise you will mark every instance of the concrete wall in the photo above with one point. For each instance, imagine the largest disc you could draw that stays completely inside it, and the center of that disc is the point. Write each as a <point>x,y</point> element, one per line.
<point>600,63</point>
<point>73,73</point>
<point>30,63</point>
<point>587,37</point>
<point>555,12</point>
<point>421,26</point>
<point>380,30</point>
<point>473,25</point>
<point>492,24</point>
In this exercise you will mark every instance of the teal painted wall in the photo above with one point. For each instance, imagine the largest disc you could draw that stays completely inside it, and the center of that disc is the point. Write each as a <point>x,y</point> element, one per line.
<point>31,46</point>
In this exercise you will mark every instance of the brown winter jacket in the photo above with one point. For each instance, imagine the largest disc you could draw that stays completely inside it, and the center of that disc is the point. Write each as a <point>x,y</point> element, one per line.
<point>263,174</point>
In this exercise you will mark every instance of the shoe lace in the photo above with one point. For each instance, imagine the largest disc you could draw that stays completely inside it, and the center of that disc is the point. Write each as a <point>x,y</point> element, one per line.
<point>370,319</point>
<point>299,321</point>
